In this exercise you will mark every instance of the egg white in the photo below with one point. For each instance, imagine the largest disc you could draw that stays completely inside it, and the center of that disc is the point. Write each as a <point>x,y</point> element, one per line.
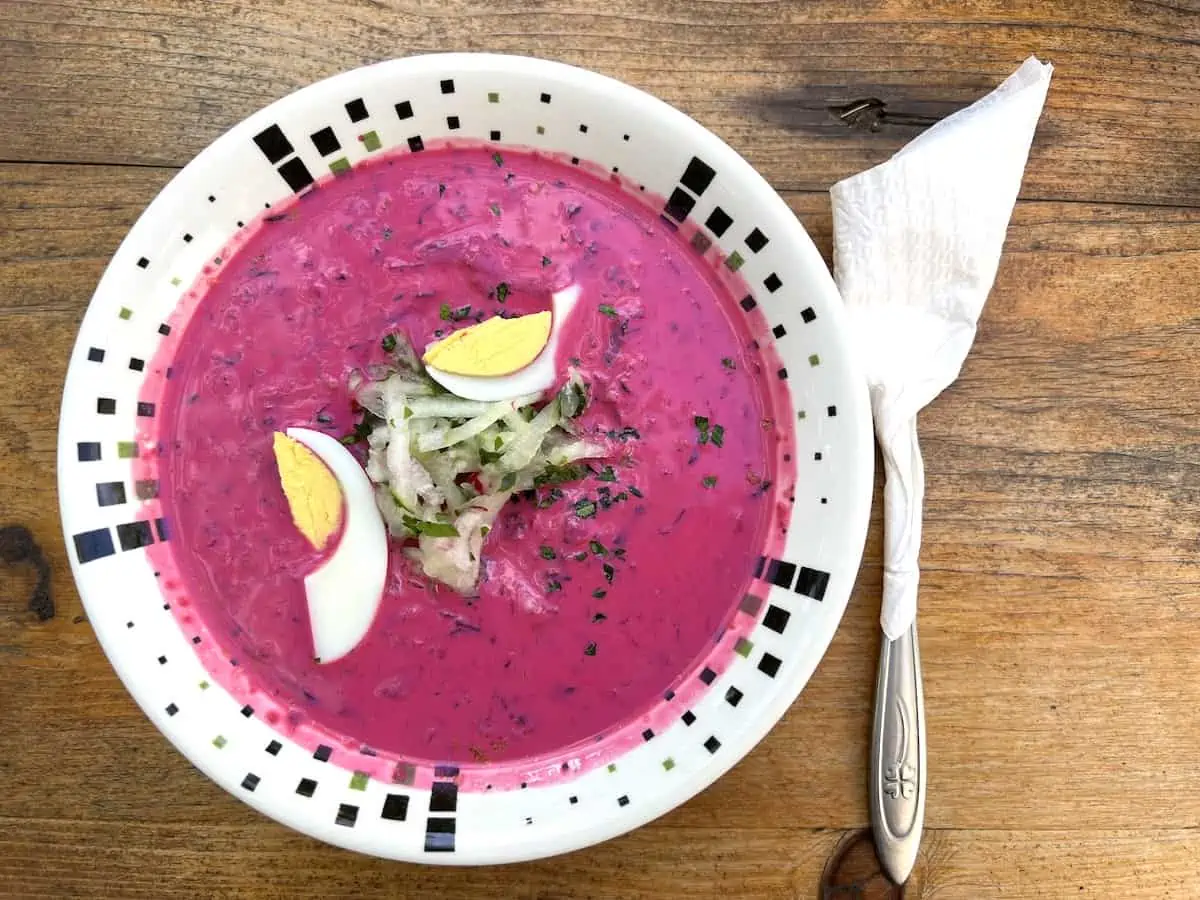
<point>345,592</point>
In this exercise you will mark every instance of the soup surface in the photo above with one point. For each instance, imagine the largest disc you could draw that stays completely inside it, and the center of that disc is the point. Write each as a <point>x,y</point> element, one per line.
<point>581,622</point>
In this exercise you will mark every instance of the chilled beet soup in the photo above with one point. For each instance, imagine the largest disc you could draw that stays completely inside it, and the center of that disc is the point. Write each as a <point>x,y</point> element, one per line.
<point>581,624</point>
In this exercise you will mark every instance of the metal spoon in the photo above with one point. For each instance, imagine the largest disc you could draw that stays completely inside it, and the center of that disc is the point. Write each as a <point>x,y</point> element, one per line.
<point>897,780</point>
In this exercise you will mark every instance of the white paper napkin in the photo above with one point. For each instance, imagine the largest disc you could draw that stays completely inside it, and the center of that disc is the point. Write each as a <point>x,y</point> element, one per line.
<point>917,242</point>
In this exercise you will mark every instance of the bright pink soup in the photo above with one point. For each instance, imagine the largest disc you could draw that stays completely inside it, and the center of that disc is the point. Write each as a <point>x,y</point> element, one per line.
<point>553,651</point>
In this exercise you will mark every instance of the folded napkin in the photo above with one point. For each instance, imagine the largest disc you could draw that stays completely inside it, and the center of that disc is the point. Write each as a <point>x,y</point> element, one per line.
<point>916,244</point>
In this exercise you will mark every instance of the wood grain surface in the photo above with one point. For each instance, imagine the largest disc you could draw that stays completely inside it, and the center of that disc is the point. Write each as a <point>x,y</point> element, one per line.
<point>1061,591</point>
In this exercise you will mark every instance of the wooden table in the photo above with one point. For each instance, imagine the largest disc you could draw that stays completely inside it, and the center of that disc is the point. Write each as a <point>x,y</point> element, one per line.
<point>1060,612</point>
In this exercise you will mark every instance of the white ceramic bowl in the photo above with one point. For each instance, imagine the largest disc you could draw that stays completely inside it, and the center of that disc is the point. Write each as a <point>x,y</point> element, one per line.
<point>786,623</point>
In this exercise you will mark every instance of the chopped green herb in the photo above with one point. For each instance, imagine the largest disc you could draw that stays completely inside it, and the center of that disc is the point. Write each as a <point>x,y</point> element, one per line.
<point>620,497</point>
<point>429,529</point>
<point>495,208</point>
<point>710,481</point>
<point>508,481</point>
<point>441,190</point>
<point>487,456</point>
<point>633,490</point>
<point>727,362</point>
<point>484,530</point>
<point>502,291</point>
<point>718,435</point>
<point>545,261</point>
<point>389,343</point>
<point>607,474</point>
<point>619,552</point>
<point>609,572</point>
<point>549,499</point>
<point>585,508</point>
<point>563,474</point>
<point>498,158</point>
<point>607,310</point>
<point>553,585</point>
<point>463,312</point>
<point>597,548</point>
<point>547,552</point>
<point>590,649</point>
<point>701,423</point>
<point>348,439</point>
<point>599,594</point>
<point>599,617</point>
<point>407,413</point>
<point>446,312</point>
<point>580,556</point>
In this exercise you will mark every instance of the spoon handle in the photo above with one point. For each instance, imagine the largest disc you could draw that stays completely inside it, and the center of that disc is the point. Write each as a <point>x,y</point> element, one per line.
<point>897,781</point>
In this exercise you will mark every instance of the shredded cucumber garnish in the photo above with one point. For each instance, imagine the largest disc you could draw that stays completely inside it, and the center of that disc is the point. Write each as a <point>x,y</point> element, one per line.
<point>444,467</point>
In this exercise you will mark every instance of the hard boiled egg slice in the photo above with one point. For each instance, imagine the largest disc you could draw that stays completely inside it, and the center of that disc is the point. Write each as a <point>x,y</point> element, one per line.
<point>344,593</point>
<point>501,359</point>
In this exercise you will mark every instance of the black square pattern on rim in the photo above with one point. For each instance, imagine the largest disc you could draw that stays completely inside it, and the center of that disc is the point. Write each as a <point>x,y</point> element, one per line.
<point>143,263</point>
<point>697,176</point>
<point>733,696</point>
<point>494,135</point>
<point>247,711</point>
<point>812,583</point>
<point>250,782</point>
<point>92,545</point>
<point>415,144</point>
<point>356,110</point>
<point>648,734</point>
<point>623,800</point>
<point>718,221</point>
<point>808,314</point>
<point>106,406</point>
<point>325,141</point>
<point>679,204</point>
<point>306,788</point>
<point>132,535</point>
<point>296,174</point>
<point>443,797</point>
<point>273,143</point>
<point>136,364</point>
<point>545,98</point>
<point>748,303</point>
<point>756,240</point>
<point>452,123</point>
<point>395,808</point>
<point>776,618</point>
<point>712,745</point>
<point>322,753</point>
<point>404,110</point>
<point>95,354</point>
<point>772,283</point>
<point>439,835</point>
<point>274,747</point>
<point>707,675</point>
<point>781,573</point>
<point>769,664</point>
<point>110,493</point>
<point>347,815</point>
<point>688,717</point>
<point>779,331</point>
<point>89,451</point>
<point>172,709</point>
<point>447,85</point>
